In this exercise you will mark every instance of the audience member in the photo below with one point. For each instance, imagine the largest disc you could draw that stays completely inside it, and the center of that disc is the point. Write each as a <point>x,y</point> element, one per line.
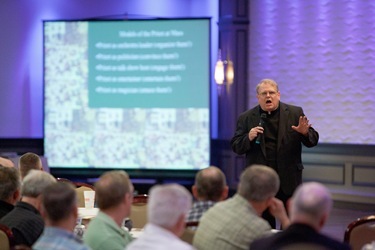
<point>6,162</point>
<point>167,209</point>
<point>60,213</point>
<point>236,222</point>
<point>29,161</point>
<point>10,189</point>
<point>309,209</point>
<point>25,220</point>
<point>114,196</point>
<point>209,187</point>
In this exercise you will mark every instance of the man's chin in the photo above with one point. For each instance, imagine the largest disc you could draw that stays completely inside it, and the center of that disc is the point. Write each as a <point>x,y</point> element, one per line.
<point>269,108</point>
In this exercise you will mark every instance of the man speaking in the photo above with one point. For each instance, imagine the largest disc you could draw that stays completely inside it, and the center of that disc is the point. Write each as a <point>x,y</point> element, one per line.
<point>272,134</point>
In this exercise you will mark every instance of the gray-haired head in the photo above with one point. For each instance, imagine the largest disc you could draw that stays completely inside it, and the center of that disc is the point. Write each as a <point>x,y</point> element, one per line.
<point>258,183</point>
<point>167,203</point>
<point>35,182</point>
<point>311,200</point>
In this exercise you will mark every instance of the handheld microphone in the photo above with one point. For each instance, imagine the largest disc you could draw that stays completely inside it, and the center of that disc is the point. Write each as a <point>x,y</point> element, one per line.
<point>263,116</point>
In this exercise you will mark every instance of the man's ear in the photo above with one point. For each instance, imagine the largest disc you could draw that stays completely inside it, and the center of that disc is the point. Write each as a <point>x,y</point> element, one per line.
<point>128,198</point>
<point>224,193</point>
<point>194,190</point>
<point>323,220</point>
<point>16,195</point>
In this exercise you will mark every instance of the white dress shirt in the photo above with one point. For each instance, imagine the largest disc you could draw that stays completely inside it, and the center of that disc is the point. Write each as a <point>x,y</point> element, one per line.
<point>155,237</point>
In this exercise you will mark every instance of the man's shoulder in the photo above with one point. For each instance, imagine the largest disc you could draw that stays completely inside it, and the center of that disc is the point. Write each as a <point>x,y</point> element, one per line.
<point>297,235</point>
<point>21,217</point>
<point>291,107</point>
<point>60,242</point>
<point>254,109</point>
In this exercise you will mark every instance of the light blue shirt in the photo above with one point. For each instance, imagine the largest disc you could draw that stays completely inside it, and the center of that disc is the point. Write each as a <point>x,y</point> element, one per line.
<point>58,239</point>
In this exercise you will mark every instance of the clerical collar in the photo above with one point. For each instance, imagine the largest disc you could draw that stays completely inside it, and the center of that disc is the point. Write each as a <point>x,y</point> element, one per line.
<point>270,113</point>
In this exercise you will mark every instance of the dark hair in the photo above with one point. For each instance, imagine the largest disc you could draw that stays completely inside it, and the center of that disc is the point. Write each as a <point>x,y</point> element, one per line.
<point>10,182</point>
<point>58,200</point>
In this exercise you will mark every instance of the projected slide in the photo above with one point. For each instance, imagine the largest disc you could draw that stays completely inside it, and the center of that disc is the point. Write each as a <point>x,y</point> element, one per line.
<point>127,94</point>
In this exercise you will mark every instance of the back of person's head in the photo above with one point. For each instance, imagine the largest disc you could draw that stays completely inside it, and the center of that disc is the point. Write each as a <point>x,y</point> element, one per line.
<point>35,182</point>
<point>111,188</point>
<point>167,203</point>
<point>258,183</point>
<point>311,202</point>
<point>59,200</point>
<point>5,162</point>
<point>29,161</point>
<point>10,183</point>
<point>210,184</point>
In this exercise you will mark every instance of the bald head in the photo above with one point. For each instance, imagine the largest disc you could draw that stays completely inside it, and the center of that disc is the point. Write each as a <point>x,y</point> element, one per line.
<point>210,184</point>
<point>311,203</point>
<point>6,162</point>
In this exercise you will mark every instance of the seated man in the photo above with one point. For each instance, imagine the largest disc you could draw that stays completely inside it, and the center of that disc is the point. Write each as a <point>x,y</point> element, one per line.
<point>114,196</point>
<point>309,210</point>
<point>236,222</point>
<point>209,187</point>
<point>25,220</point>
<point>10,189</point>
<point>60,212</point>
<point>29,161</point>
<point>167,209</point>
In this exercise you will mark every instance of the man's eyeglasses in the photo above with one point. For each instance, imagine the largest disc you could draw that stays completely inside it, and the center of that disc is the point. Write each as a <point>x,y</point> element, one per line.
<point>271,93</point>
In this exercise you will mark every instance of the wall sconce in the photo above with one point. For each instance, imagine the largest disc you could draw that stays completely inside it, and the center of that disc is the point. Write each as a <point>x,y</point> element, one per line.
<point>224,71</point>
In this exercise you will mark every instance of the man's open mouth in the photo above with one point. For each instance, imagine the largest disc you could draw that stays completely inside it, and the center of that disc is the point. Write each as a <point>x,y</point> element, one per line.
<point>268,101</point>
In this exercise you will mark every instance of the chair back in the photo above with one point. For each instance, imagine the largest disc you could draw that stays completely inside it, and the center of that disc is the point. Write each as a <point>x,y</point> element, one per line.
<point>188,235</point>
<point>138,213</point>
<point>360,232</point>
<point>6,238</point>
<point>80,190</point>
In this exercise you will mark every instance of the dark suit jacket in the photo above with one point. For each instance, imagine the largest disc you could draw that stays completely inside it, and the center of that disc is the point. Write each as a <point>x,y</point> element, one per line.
<point>297,233</point>
<point>289,144</point>
<point>5,208</point>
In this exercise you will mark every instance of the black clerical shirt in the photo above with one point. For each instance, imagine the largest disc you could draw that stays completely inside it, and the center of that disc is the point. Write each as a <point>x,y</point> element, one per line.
<point>271,128</point>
